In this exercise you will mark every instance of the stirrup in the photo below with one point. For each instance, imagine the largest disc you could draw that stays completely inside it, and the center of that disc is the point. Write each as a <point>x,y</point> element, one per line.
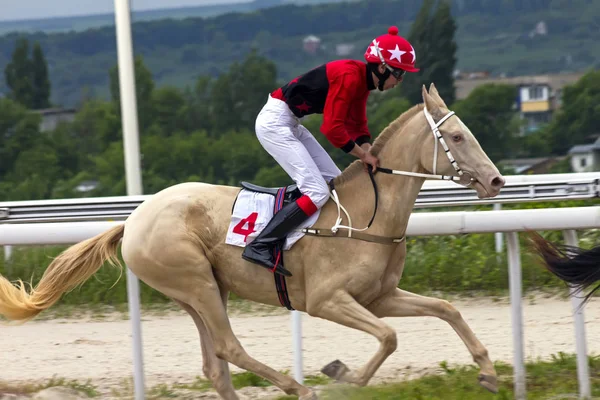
<point>277,267</point>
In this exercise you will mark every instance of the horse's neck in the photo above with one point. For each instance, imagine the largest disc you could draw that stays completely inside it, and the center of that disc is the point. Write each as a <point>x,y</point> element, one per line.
<point>397,195</point>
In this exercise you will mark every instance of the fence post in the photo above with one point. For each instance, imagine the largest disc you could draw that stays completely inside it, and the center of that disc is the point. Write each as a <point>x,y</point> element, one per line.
<point>583,373</point>
<point>516,290</point>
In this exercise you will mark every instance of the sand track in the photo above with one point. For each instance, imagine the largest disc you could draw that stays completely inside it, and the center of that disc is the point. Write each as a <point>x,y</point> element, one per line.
<point>101,351</point>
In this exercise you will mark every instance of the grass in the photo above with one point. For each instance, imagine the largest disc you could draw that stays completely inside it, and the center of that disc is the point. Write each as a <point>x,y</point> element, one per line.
<point>29,388</point>
<point>553,379</point>
<point>240,380</point>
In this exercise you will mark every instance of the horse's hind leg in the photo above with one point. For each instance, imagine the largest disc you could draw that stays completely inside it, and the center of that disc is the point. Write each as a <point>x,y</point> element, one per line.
<point>215,369</point>
<point>182,272</point>
<point>400,303</point>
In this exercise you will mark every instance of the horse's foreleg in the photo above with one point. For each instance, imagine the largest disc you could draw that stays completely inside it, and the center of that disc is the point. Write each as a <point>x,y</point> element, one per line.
<point>207,302</point>
<point>400,303</point>
<point>215,369</point>
<point>343,309</point>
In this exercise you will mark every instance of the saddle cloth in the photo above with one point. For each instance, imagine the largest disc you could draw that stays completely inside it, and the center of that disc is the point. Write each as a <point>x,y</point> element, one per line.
<point>252,211</point>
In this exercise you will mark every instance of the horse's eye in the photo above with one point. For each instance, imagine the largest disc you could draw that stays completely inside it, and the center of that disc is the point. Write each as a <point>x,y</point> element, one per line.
<point>457,138</point>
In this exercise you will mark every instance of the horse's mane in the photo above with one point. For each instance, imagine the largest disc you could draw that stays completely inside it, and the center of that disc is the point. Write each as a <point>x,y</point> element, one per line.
<point>395,126</point>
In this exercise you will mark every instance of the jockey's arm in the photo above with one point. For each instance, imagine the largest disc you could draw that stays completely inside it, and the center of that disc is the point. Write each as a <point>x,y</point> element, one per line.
<point>335,113</point>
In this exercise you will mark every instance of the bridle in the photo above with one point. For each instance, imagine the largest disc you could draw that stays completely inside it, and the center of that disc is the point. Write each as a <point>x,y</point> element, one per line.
<point>463,178</point>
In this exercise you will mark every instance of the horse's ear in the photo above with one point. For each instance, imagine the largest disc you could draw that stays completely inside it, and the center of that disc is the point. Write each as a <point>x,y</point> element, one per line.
<point>430,103</point>
<point>435,94</point>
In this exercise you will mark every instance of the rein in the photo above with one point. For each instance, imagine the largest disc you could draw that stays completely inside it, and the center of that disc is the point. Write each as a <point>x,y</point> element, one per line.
<point>463,178</point>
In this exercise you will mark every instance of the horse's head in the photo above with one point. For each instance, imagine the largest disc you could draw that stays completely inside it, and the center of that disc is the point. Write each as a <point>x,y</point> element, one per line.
<point>458,152</point>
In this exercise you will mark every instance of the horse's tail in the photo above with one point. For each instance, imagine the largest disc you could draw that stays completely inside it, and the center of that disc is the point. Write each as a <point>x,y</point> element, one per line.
<point>70,269</point>
<point>578,267</point>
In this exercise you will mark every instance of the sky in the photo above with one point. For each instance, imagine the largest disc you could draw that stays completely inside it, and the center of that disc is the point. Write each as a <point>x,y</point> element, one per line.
<point>34,9</point>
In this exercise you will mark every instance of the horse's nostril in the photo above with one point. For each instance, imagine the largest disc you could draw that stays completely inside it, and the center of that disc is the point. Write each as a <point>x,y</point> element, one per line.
<point>498,182</point>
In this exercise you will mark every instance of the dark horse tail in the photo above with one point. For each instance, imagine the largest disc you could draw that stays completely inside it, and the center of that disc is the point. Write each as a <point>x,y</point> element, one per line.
<point>578,267</point>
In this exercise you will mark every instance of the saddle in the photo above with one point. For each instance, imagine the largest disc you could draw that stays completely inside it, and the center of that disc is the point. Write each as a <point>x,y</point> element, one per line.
<point>292,193</point>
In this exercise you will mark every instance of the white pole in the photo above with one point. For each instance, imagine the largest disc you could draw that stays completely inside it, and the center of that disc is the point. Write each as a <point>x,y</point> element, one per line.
<point>7,259</point>
<point>132,170</point>
<point>498,235</point>
<point>297,338</point>
<point>514,264</point>
<point>583,373</point>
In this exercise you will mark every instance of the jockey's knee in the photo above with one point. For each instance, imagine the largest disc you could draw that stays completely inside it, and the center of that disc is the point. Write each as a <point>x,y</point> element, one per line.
<point>321,199</point>
<point>319,196</point>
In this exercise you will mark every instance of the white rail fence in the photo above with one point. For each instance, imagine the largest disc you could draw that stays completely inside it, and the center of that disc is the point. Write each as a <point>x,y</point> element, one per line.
<point>509,222</point>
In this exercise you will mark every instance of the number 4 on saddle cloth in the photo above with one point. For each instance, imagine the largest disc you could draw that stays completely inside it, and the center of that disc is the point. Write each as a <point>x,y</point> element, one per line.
<point>252,210</point>
<point>254,207</point>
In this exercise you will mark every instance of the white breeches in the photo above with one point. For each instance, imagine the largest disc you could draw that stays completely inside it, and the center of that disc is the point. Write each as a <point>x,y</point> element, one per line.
<point>296,150</point>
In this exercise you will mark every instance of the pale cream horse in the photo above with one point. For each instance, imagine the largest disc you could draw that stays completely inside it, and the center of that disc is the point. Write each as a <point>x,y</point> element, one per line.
<point>175,242</point>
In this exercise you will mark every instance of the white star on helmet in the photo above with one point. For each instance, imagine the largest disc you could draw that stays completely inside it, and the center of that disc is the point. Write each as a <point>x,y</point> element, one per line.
<point>397,54</point>
<point>374,48</point>
<point>412,51</point>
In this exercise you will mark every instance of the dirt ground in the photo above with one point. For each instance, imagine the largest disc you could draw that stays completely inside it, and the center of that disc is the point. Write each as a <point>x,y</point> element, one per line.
<point>100,349</point>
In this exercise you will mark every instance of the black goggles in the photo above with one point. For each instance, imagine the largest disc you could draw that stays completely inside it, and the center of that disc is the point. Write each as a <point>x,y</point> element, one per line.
<point>396,72</point>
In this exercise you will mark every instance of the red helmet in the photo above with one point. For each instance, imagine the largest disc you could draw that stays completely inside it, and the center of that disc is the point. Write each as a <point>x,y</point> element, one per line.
<point>392,50</point>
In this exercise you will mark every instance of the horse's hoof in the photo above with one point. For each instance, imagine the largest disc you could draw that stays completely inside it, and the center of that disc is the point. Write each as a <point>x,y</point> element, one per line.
<point>489,382</point>
<point>310,396</point>
<point>335,370</point>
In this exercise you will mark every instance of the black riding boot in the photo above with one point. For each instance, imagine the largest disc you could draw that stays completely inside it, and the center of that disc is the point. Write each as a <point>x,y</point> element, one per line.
<point>260,250</point>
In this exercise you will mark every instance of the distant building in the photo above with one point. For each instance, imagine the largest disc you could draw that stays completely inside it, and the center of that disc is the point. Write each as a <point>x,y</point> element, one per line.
<point>537,98</point>
<point>311,44</point>
<point>51,117</point>
<point>541,29</point>
<point>585,157</point>
<point>533,165</point>
<point>471,75</point>
<point>535,103</point>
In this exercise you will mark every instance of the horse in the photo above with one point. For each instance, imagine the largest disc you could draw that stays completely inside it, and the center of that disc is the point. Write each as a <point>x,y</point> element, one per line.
<point>175,242</point>
<point>579,268</point>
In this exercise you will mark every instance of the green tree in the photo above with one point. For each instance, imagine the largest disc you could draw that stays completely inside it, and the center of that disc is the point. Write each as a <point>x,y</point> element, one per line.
<point>197,107</point>
<point>433,37</point>
<point>238,95</point>
<point>489,114</point>
<point>35,173</point>
<point>169,110</point>
<point>40,78</point>
<point>144,86</point>
<point>443,52</point>
<point>109,169</point>
<point>28,78</point>
<point>19,131</point>
<point>420,38</point>
<point>578,120</point>
<point>18,74</point>
<point>386,112</point>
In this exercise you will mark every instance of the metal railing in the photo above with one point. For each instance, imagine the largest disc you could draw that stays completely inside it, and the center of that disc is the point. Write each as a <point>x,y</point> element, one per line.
<point>519,189</point>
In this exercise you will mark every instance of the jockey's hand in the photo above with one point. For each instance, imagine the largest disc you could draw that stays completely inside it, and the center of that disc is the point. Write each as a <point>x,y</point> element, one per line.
<point>366,157</point>
<point>366,146</point>
<point>370,159</point>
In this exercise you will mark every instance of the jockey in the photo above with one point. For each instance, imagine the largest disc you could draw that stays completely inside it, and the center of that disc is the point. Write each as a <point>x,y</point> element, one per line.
<point>338,90</point>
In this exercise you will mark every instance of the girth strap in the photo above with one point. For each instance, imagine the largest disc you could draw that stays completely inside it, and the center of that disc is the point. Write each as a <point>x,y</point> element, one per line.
<point>354,235</point>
